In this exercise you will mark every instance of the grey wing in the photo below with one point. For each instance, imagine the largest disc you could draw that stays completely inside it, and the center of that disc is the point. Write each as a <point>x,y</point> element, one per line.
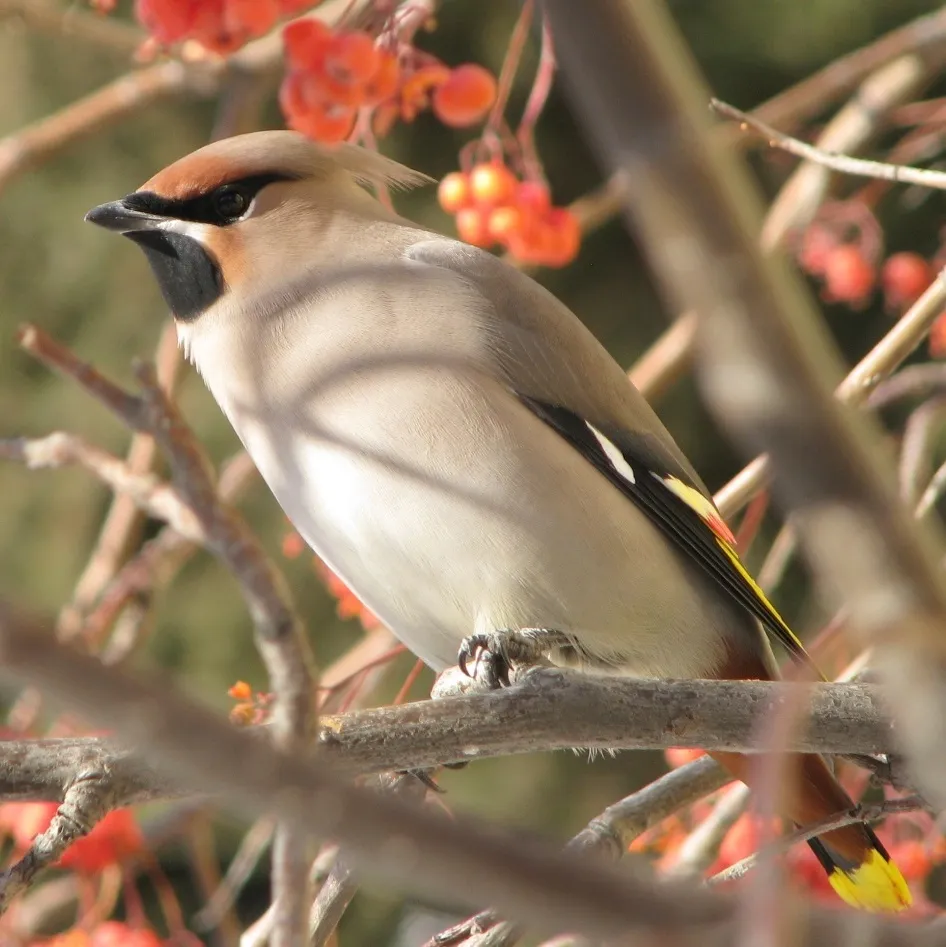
<point>545,352</point>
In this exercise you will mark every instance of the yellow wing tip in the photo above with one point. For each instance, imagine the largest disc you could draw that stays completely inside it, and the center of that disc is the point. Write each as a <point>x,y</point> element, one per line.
<point>876,885</point>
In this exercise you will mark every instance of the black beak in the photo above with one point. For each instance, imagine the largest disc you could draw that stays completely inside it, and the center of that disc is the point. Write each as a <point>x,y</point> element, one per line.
<point>122,218</point>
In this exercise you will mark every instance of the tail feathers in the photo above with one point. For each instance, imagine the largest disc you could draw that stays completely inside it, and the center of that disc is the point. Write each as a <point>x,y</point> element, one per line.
<point>872,883</point>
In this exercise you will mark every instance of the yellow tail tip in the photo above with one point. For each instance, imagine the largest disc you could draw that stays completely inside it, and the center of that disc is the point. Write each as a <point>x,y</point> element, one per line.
<point>875,885</point>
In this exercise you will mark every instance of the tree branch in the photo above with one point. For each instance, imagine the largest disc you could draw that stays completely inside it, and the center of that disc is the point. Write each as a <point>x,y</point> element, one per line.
<point>547,709</point>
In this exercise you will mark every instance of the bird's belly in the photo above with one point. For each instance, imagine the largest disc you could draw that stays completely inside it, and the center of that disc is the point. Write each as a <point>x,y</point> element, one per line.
<point>477,517</point>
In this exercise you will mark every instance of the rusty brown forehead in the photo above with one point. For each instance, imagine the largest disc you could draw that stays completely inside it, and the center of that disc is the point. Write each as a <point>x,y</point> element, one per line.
<point>198,174</point>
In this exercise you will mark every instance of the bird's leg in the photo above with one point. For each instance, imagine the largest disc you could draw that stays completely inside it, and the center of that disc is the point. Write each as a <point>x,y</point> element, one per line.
<point>494,653</point>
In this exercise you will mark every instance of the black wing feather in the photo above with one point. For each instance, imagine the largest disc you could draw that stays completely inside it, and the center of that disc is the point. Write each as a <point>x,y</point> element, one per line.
<point>675,517</point>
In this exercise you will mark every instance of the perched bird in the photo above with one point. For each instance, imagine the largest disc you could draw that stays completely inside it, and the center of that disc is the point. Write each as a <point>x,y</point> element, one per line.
<point>455,444</point>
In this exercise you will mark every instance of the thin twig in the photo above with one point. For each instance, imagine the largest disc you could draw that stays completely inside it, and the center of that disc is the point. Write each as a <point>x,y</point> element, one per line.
<point>151,495</point>
<point>701,847</point>
<point>201,845</point>
<point>875,367</point>
<point>845,164</point>
<point>252,846</point>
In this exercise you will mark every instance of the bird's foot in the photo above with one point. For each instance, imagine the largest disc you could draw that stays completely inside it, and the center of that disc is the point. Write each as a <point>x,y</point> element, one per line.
<point>493,654</point>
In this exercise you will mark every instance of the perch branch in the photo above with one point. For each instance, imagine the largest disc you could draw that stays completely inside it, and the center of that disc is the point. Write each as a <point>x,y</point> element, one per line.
<point>548,709</point>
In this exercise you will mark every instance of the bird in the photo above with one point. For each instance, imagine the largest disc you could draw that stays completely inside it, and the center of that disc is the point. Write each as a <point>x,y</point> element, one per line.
<point>456,445</point>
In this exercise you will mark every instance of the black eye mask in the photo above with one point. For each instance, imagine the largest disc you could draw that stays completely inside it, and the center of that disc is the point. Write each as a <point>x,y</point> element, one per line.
<point>220,207</point>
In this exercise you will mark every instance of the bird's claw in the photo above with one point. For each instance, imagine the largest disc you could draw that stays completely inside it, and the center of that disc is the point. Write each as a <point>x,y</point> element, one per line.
<point>493,654</point>
<point>487,654</point>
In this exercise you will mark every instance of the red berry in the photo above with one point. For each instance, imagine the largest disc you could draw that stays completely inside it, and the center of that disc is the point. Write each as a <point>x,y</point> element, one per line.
<point>117,934</point>
<point>301,98</point>
<point>114,839</point>
<point>383,84</point>
<point>453,192</point>
<point>352,58</point>
<point>466,96</point>
<point>250,17</point>
<point>905,277</point>
<point>473,226</point>
<point>305,42</point>
<point>504,222</point>
<point>492,184</point>
<point>534,196</point>
<point>168,21</point>
<point>848,276</point>
<point>565,237</point>
<point>816,246</point>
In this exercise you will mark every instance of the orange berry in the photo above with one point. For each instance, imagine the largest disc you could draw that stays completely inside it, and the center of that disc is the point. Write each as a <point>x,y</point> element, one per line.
<point>119,934</point>
<point>332,91</point>
<point>534,196</point>
<point>250,17</point>
<point>168,21</point>
<point>292,545</point>
<point>243,714</point>
<point>905,277</point>
<point>352,57</point>
<point>300,98</point>
<point>240,691</point>
<point>504,222</point>
<point>564,237</point>
<point>848,276</point>
<point>416,88</point>
<point>492,184</point>
<point>473,226</point>
<point>305,42</point>
<point>383,84</point>
<point>816,245</point>
<point>465,97</point>
<point>113,840</point>
<point>453,192</point>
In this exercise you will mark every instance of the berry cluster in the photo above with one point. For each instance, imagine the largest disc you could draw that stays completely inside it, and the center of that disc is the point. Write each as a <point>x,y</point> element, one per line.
<point>849,274</point>
<point>222,26</point>
<point>492,206</point>
<point>114,839</point>
<point>334,73</point>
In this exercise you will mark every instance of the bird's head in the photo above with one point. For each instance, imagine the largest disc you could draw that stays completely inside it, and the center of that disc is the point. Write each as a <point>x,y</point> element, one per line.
<point>242,211</point>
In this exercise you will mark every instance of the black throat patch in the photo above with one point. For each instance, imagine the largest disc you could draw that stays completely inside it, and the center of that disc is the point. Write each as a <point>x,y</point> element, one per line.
<point>189,277</point>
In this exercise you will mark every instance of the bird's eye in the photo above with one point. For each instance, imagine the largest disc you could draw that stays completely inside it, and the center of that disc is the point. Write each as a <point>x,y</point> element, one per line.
<point>231,202</point>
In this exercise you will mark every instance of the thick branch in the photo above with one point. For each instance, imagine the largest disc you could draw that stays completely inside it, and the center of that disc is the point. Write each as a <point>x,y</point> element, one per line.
<point>547,710</point>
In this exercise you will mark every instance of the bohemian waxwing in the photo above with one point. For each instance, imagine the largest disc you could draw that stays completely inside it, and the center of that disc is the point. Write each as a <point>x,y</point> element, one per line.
<point>455,444</point>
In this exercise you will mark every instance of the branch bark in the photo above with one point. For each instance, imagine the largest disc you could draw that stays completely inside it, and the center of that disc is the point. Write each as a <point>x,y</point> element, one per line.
<point>546,710</point>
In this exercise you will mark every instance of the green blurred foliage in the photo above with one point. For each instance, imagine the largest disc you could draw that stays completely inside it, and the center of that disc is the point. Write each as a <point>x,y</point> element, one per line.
<point>97,296</point>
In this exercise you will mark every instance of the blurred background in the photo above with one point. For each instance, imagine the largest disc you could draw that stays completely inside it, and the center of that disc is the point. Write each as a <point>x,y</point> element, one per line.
<point>98,297</point>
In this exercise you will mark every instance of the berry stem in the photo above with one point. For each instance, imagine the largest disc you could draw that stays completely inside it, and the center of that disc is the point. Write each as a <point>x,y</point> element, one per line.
<point>517,43</point>
<point>544,76</point>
